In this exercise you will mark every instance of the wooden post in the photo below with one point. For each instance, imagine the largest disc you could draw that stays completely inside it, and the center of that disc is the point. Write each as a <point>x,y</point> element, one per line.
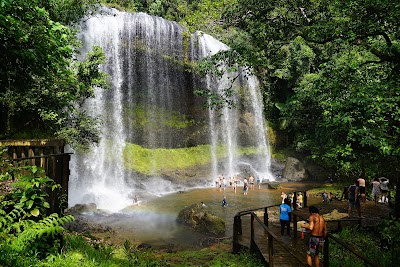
<point>252,241</point>
<point>31,154</point>
<point>23,156</point>
<point>14,156</point>
<point>237,225</point>
<point>52,174</point>
<point>294,224</point>
<point>270,250</point>
<point>65,173</point>
<point>326,251</point>
<point>266,216</point>
<point>305,200</point>
<point>42,159</point>
<point>294,200</point>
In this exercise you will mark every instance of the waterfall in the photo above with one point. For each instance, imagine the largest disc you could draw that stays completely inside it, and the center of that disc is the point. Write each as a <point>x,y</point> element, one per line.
<point>151,89</point>
<point>224,127</point>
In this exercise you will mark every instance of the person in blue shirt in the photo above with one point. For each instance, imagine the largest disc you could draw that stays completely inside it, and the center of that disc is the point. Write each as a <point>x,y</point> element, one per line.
<point>285,213</point>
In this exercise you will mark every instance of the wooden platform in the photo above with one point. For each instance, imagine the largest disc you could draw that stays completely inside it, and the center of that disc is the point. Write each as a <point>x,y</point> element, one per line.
<point>291,250</point>
<point>281,246</point>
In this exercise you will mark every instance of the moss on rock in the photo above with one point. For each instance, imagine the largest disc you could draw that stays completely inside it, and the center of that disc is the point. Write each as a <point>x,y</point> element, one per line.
<point>201,220</point>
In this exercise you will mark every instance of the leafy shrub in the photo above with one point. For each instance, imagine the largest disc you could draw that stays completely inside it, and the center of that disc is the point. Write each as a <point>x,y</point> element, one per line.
<point>26,234</point>
<point>30,190</point>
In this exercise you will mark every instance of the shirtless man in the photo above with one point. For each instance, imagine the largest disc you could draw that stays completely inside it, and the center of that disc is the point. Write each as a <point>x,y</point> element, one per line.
<point>251,182</point>
<point>317,225</point>
<point>361,187</point>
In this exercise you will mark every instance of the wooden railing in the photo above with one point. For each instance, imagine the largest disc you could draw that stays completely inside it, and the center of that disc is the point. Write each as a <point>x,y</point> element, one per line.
<point>329,237</point>
<point>49,155</point>
<point>272,238</point>
<point>296,216</point>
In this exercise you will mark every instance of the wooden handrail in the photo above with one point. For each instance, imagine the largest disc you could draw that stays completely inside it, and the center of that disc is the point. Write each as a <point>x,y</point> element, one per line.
<point>276,238</point>
<point>339,221</point>
<point>38,157</point>
<point>245,212</point>
<point>237,230</point>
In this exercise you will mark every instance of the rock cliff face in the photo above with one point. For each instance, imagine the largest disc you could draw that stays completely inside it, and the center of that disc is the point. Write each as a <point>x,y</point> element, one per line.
<point>152,66</point>
<point>294,170</point>
<point>198,218</point>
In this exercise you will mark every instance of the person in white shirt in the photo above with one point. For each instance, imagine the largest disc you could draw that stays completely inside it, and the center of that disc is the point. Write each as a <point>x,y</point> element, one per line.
<point>376,191</point>
<point>384,186</point>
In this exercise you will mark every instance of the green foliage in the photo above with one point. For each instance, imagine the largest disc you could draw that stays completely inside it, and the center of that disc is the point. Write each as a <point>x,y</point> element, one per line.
<point>30,190</point>
<point>6,171</point>
<point>69,11</point>
<point>368,242</point>
<point>41,83</point>
<point>26,233</point>
<point>126,5</point>
<point>26,241</point>
<point>391,232</point>
<point>330,72</point>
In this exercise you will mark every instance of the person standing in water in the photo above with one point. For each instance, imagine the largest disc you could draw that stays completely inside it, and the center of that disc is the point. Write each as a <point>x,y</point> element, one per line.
<point>251,182</point>
<point>245,186</point>
<point>224,202</point>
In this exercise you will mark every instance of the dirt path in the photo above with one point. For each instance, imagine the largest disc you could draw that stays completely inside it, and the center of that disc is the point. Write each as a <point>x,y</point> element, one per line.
<point>371,214</point>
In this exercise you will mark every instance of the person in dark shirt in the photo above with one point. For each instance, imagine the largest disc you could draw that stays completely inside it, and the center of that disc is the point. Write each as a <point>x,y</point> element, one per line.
<point>354,198</point>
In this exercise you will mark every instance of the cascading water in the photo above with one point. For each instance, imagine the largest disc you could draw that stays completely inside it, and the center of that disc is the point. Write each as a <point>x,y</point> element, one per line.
<point>151,93</point>
<point>224,124</point>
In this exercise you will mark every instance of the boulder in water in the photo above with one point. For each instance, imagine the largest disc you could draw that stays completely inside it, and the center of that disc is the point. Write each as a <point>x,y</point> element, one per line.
<point>82,208</point>
<point>274,185</point>
<point>196,217</point>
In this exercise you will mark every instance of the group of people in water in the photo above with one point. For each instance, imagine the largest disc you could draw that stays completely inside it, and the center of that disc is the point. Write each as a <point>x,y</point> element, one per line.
<point>235,182</point>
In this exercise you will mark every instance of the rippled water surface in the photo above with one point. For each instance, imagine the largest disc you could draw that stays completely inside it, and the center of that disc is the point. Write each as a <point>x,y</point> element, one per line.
<point>152,221</point>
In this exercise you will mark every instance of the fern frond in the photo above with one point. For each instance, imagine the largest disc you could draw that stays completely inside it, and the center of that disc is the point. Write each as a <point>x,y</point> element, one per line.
<point>42,231</point>
<point>7,220</point>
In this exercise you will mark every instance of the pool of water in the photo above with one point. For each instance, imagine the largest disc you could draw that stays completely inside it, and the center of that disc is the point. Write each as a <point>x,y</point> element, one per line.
<point>153,220</point>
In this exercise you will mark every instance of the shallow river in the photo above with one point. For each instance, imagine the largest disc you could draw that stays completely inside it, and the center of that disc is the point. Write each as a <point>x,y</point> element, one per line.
<point>152,221</point>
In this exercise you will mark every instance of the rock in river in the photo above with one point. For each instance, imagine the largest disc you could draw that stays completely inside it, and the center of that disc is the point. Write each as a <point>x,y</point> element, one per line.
<point>198,218</point>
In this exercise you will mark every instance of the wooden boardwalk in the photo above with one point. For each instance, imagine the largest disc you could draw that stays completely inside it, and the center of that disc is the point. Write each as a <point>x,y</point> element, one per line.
<point>265,240</point>
<point>287,250</point>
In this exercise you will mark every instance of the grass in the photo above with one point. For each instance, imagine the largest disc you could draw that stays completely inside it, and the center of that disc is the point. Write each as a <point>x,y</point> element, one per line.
<point>79,252</point>
<point>84,252</point>
<point>335,189</point>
